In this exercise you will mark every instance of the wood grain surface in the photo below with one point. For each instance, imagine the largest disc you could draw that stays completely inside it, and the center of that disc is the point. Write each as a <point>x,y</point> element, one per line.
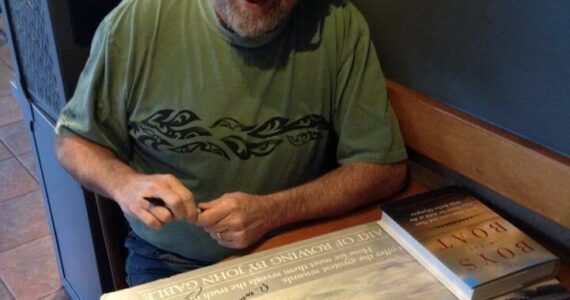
<point>515,168</point>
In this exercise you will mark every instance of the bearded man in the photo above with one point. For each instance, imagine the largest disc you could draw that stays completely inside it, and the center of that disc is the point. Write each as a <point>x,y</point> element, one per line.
<point>212,123</point>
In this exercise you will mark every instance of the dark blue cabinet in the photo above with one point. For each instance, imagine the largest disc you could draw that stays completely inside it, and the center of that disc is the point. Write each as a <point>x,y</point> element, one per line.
<point>49,43</point>
<point>72,213</point>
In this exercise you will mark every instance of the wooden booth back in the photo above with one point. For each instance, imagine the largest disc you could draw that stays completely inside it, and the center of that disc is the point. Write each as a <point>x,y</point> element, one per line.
<point>520,170</point>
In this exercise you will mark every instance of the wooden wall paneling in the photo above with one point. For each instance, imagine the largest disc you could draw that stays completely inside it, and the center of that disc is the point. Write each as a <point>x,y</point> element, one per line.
<point>515,168</point>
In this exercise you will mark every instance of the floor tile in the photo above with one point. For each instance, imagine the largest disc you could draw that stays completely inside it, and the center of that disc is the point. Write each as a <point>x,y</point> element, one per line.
<point>10,110</point>
<point>5,56</point>
<point>6,75</point>
<point>16,137</point>
<point>22,220</point>
<point>4,152</point>
<point>61,294</point>
<point>15,180</point>
<point>29,163</point>
<point>30,271</point>
<point>4,293</point>
<point>3,37</point>
<point>4,48</point>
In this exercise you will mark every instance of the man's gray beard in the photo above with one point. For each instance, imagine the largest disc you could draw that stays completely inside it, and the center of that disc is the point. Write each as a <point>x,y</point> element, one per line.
<point>247,24</point>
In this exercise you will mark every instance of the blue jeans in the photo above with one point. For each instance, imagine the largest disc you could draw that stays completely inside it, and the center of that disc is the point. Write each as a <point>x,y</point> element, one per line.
<point>146,262</point>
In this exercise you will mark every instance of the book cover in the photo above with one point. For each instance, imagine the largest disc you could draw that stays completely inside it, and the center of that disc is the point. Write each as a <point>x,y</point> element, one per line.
<point>360,262</point>
<point>472,250</point>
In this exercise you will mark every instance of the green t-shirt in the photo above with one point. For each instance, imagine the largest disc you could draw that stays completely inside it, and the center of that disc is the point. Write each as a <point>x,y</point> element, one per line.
<point>170,91</point>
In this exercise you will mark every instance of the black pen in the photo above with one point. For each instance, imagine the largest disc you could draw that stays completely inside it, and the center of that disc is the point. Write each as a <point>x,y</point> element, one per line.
<point>155,201</point>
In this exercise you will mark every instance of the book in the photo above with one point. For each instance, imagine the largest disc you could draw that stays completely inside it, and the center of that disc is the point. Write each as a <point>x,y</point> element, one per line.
<point>360,262</point>
<point>468,247</point>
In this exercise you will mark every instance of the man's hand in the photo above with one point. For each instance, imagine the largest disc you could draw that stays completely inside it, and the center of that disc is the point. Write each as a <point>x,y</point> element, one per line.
<point>136,193</point>
<point>98,169</point>
<point>236,220</point>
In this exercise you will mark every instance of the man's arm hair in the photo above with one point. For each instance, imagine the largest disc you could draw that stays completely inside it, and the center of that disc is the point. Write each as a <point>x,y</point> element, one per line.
<point>339,191</point>
<point>100,170</point>
<point>237,220</point>
<point>94,166</point>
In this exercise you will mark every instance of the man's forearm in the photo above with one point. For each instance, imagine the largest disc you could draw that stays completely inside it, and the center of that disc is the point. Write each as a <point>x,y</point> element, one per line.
<point>98,169</point>
<point>337,192</point>
<point>237,220</point>
<point>94,166</point>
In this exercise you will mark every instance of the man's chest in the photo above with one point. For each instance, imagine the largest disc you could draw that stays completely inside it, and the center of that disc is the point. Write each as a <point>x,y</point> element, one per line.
<point>232,110</point>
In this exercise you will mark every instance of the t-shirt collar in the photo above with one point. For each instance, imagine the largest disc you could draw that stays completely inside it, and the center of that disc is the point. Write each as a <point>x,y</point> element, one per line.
<point>212,19</point>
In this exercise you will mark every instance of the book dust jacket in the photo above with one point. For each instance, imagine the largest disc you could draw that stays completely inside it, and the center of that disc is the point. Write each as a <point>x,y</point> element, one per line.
<point>470,239</point>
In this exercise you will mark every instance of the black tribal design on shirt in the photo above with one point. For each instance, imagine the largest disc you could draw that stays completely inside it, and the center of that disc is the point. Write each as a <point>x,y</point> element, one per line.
<point>177,131</point>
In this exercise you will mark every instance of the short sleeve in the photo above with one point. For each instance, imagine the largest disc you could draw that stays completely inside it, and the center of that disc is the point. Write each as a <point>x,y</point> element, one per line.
<point>364,121</point>
<point>97,110</point>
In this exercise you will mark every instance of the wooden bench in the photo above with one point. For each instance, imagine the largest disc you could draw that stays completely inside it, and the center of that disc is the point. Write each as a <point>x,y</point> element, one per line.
<point>515,168</point>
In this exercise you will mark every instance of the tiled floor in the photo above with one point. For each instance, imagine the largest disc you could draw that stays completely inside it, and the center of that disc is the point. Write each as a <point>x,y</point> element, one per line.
<point>27,264</point>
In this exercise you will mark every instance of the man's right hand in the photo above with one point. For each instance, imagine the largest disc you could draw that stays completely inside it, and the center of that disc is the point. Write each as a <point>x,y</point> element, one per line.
<point>135,192</point>
<point>97,168</point>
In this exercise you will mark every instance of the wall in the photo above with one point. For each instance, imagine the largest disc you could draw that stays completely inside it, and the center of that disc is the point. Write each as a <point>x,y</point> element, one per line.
<point>505,62</point>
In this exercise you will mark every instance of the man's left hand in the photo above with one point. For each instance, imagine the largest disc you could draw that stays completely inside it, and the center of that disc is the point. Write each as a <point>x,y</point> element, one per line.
<point>236,220</point>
